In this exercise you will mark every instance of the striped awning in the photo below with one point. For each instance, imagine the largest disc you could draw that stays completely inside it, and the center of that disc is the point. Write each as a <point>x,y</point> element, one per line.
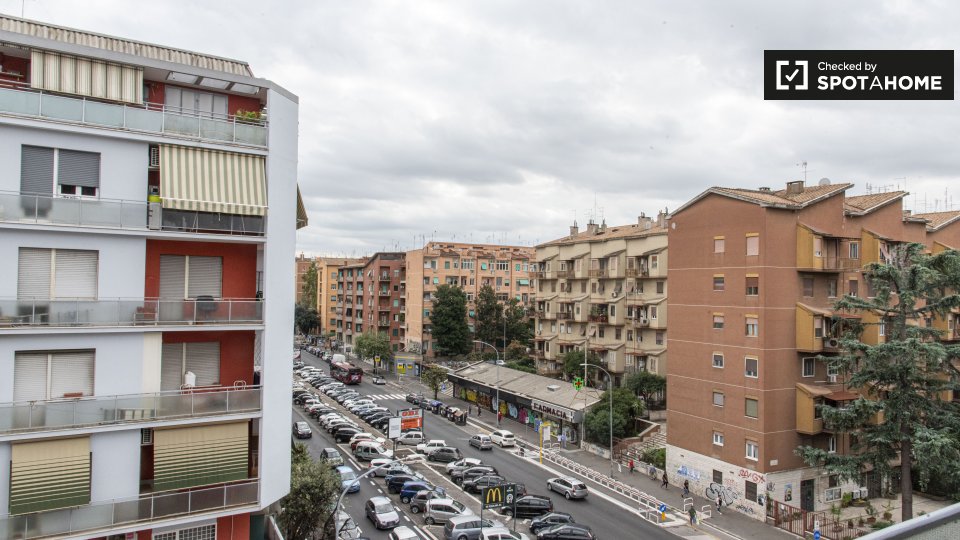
<point>212,181</point>
<point>85,76</point>
<point>200,455</point>
<point>301,211</point>
<point>50,474</point>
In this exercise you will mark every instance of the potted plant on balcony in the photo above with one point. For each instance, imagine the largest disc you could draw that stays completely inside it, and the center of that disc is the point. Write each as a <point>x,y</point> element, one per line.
<point>871,514</point>
<point>249,117</point>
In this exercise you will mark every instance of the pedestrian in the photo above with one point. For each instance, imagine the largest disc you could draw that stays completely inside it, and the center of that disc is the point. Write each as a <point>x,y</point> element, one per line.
<point>664,481</point>
<point>499,416</point>
<point>478,410</point>
<point>630,466</point>
<point>686,488</point>
<point>719,503</point>
<point>693,515</point>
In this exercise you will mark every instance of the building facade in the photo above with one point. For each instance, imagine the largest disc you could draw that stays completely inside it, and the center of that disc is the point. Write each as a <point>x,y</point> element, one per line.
<point>604,288</point>
<point>328,272</point>
<point>147,244</point>
<point>508,269</point>
<point>760,271</point>
<point>303,266</point>
<point>385,307</point>
<point>350,296</point>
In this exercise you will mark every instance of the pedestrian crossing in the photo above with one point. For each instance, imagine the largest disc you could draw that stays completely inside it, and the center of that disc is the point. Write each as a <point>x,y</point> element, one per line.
<point>385,397</point>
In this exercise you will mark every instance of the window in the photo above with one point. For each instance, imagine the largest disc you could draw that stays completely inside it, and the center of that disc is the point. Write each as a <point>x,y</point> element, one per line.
<point>750,491</point>
<point>751,408</point>
<point>753,451</point>
<point>617,334</point>
<point>752,327</point>
<point>653,312</point>
<point>193,101</point>
<point>200,358</point>
<point>467,264</point>
<point>832,445</point>
<point>752,367</point>
<point>446,265</point>
<point>660,285</point>
<point>717,360</point>
<point>205,532</point>
<point>718,322</point>
<point>833,481</point>
<point>817,246</point>
<point>753,285</point>
<point>718,244</point>
<point>52,171</point>
<point>503,265</point>
<point>654,261</point>
<point>436,280</point>
<point>753,244</point>
<point>818,327</point>
<point>854,287</point>
<point>807,285</point>
<point>882,328</point>
<point>516,267</point>
<point>658,338</point>
<point>717,476</point>
<point>832,288</point>
<point>717,438</point>
<point>56,273</point>
<point>600,332</point>
<point>718,399</point>
<point>809,366</point>
<point>718,282</point>
<point>854,250</point>
<point>42,375</point>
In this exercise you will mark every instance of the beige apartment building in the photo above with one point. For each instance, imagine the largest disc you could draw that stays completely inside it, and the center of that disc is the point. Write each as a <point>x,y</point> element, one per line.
<point>760,271</point>
<point>604,288</point>
<point>327,274</point>
<point>302,265</point>
<point>508,269</point>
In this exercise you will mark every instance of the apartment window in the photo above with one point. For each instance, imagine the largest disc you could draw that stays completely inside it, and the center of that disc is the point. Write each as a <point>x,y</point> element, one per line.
<point>194,101</point>
<point>446,265</point>
<point>832,288</point>
<point>516,267</point>
<point>717,476</point>
<point>718,282</point>
<point>629,335</point>
<point>750,491</point>
<point>854,250</point>
<point>717,360</point>
<point>817,246</point>
<point>56,273</point>
<point>43,375</point>
<point>467,264</point>
<point>600,332</point>
<point>333,286</point>
<point>832,444</point>
<point>753,285</point>
<point>190,276</point>
<point>654,262</point>
<point>503,265</point>
<point>200,358</point>
<point>206,532</point>
<point>653,312</point>
<point>809,366</point>
<point>660,285</point>
<point>752,367</point>
<point>612,310</point>
<point>436,280</point>
<point>854,287</point>
<point>753,244</point>
<point>617,334</point>
<point>717,438</point>
<point>753,451</point>
<point>718,399</point>
<point>578,265</point>
<point>751,408</point>
<point>752,326</point>
<point>833,481</point>
<point>718,244</point>
<point>718,322</point>
<point>499,281</point>
<point>658,338</point>
<point>65,172</point>
<point>583,286</point>
<point>882,328</point>
<point>808,286</point>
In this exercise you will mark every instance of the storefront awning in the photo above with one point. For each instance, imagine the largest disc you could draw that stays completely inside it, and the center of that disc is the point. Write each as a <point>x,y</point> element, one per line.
<point>212,181</point>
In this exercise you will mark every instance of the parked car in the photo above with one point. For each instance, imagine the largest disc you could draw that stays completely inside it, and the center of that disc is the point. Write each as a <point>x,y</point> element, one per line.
<point>345,433</point>
<point>529,506</point>
<point>445,454</point>
<point>301,430</point>
<point>419,501</point>
<point>378,380</point>
<point>348,479</point>
<point>429,446</point>
<point>381,422</point>
<point>347,527</point>
<point>403,533</point>
<point>331,456</point>
<point>502,533</point>
<point>467,527</point>
<point>370,413</point>
<point>389,468</point>
<point>470,473</point>
<point>413,398</point>
<point>364,436</point>
<point>462,464</point>
<point>381,512</point>
<point>395,482</point>
<point>411,438</point>
<point>566,531</point>
<point>441,510</point>
<point>481,442</point>
<point>569,487</point>
<point>476,485</point>
<point>336,424</point>
<point>411,488</point>
<point>369,450</point>
<point>503,437</point>
<point>546,521</point>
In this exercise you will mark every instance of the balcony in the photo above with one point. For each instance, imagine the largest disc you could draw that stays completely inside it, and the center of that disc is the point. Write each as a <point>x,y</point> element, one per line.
<point>19,313</point>
<point>598,317</point>
<point>633,272</point>
<point>35,416</point>
<point>566,274</point>
<point>384,293</point>
<point>151,118</point>
<point>598,272</point>
<point>90,519</point>
<point>564,316</point>
<point>76,212</point>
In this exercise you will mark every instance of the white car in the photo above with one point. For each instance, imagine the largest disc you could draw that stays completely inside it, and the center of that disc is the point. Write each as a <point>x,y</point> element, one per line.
<point>464,463</point>
<point>365,437</point>
<point>503,437</point>
<point>410,438</point>
<point>502,533</point>
<point>431,445</point>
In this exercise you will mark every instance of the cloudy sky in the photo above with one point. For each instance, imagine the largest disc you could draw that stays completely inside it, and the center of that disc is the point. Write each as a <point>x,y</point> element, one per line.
<point>502,121</point>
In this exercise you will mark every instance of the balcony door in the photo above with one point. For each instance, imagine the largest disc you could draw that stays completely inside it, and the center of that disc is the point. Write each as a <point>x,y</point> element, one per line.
<point>188,277</point>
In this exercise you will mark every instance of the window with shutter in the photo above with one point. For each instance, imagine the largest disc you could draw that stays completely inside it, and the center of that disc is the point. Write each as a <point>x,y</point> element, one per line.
<point>78,173</point>
<point>40,375</point>
<point>46,475</point>
<point>33,273</point>
<point>30,376</point>
<point>203,359</point>
<point>56,273</point>
<point>204,276</point>
<point>36,170</point>
<point>171,366</point>
<point>173,276</point>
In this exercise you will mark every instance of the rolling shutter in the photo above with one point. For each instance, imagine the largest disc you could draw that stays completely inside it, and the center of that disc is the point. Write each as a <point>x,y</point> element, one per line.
<point>173,276</point>
<point>33,273</point>
<point>171,366</point>
<point>36,170</point>
<point>29,376</point>
<point>204,276</point>
<point>197,456</point>
<point>76,273</point>
<point>78,168</point>
<point>46,475</point>
<point>71,373</point>
<point>203,359</point>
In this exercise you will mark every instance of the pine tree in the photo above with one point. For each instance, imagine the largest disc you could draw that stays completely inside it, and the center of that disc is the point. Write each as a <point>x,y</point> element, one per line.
<point>449,321</point>
<point>489,317</point>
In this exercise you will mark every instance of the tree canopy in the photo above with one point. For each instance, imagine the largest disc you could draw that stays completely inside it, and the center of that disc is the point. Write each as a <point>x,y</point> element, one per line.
<point>573,360</point>
<point>488,316</point>
<point>646,385</point>
<point>625,407</point>
<point>372,344</point>
<point>449,321</point>
<point>518,325</point>
<point>314,488</point>
<point>308,295</point>
<point>433,376</point>
<point>305,318</point>
<point>905,377</point>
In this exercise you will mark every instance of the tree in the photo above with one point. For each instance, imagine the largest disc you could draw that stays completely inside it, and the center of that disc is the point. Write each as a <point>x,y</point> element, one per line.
<point>904,378</point>
<point>573,362</point>
<point>372,344</point>
<point>625,407</point>
<point>518,325</point>
<point>646,385</point>
<point>433,376</point>
<point>449,321</point>
<point>305,318</point>
<point>309,290</point>
<point>314,488</point>
<point>488,316</point>
<point>518,358</point>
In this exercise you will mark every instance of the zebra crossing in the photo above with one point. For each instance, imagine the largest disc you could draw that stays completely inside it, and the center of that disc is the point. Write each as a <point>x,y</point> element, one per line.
<point>384,397</point>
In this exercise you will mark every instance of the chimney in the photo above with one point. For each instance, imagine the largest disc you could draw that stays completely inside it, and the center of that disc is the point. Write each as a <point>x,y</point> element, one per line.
<point>592,227</point>
<point>644,221</point>
<point>795,187</point>
<point>764,188</point>
<point>574,230</point>
<point>662,216</point>
<point>603,226</point>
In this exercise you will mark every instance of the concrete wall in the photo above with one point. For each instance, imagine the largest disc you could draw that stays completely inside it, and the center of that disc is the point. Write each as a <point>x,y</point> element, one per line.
<point>115,465</point>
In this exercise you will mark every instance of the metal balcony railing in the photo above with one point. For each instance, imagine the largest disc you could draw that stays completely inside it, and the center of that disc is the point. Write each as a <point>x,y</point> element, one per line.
<point>20,312</point>
<point>34,416</point>
<point>105,515</point>
<point>22,100</point>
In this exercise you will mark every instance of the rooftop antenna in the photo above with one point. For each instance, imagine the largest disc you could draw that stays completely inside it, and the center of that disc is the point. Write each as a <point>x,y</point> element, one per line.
<point>803,165</point>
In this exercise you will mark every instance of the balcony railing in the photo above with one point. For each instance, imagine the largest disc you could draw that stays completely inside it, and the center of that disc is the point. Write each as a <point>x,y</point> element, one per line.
<point>19,312</point>
<point>123,512</point>
<point>564,315</point>
<point>598,272</point>
<point>32,416</point>
<point>598,317</point>
<point>155,118</point>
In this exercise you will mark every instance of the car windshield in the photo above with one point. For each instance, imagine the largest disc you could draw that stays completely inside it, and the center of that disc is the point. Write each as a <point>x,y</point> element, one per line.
<point>383,508</point>
<point>348,475</point>
<point>457,505</point>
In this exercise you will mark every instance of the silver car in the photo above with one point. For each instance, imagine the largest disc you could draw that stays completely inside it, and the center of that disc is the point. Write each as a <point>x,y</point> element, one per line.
<point>441,510</point>
<point>481,442</point>
<point>569,487</point>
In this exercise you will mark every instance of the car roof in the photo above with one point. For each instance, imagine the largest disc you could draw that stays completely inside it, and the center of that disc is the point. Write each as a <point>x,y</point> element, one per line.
<point>380,499</point>
<point>344,468</point>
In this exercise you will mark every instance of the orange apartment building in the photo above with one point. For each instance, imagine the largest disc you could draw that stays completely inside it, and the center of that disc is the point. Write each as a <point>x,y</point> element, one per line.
<point>328,271</point>
<point>371,297</point>
<point>759,271</point>
<point>508,269</point>
<point>303,265</point>
<point>605,288</point>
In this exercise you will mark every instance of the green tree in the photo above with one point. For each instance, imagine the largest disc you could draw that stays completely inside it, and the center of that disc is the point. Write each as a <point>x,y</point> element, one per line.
<point>646,385</point>
<point>373,344</point>
<point>449,321</point>
<point>488,326</point>
<point>309,289</point>
<point>433,376</point>
<point>904,378</point>
<point>573,362</point>
<point>518,325</point>
<point>625,407</point>
<point>516,352</point>
<point>305,318</point>
<point>314,488</point>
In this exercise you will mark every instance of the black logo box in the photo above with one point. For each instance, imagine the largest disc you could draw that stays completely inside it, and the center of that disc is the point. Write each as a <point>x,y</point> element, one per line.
<point>896,64</point>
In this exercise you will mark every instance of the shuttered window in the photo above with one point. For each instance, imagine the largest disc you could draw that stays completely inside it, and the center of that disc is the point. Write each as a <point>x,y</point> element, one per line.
<point>197,456</point>
<point>188,276</point>
<point>202,359</point>
<point>56,273</point>
<point>36,169</point>
<point>72,172</point>
<point>46,475</point>
<point>42,375</point>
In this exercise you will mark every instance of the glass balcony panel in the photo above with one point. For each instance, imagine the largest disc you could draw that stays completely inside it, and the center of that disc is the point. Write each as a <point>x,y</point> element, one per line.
<point>51,523</point>
<point>171,504</point>
<point>132,408</point>
<point>204,403</point>
<point>19,102</point>
<point>14,527</point>
<point>251,134</point>
<point>127,312</point>
<point>206,499</point>
<point>56,414</point>
<point>244,400</point>
<point>94,516</point>
<point>219,130</point>
<point>61,108</point>
<point>181,125</point>
<point>173,405</point>
<point>144,120</point>
<point>238,494</point>
<point>131,511</point>
<point>103,114</point>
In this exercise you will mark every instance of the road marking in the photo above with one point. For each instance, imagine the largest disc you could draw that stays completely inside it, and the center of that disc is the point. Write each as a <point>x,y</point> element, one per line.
<point>380,491</point>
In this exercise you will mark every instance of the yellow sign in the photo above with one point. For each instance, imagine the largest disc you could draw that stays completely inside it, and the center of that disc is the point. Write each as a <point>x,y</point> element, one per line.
<point>494,495</point>
<point>401,368</point>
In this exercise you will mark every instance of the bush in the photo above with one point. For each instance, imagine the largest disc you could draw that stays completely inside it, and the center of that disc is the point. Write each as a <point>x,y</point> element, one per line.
<point>656,457</point>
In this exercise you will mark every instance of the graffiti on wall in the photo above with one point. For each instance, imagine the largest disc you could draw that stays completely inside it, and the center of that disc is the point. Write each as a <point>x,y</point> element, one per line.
<point>689,473</point>
<point>753,476</point>
<point>745,509</point>
<point>728,494</point>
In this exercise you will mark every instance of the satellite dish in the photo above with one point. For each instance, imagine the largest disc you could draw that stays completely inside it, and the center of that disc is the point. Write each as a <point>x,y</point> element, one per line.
<point>824,182</point>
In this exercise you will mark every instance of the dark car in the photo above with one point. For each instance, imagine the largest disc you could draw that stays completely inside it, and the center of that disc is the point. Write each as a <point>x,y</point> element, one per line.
<point>301,430</point>
<point>302,397</point>
<point>337,424</point>
<point>395,482</point>
<point>370,413</point>
<point>413,398</point>
<point>419,501</point>
<point>529,506</point>
<point>411,488</point>
<point>345,433</point>
<point>567,531</point>
<point>381,422</point>
<point>476,485</point>
<point>546,521</point>
<point>459,476</point>
<point>444,455</point>
<point>320,411</point>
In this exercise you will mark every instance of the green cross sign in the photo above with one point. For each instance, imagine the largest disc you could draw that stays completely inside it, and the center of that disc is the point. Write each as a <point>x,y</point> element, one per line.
<point>578,383</point>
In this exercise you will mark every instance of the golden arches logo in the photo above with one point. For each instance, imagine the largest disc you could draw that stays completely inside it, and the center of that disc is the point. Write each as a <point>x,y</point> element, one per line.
<point>494,495</point>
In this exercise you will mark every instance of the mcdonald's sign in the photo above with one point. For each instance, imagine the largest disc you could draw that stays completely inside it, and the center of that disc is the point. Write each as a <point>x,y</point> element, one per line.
<point>498,496</point>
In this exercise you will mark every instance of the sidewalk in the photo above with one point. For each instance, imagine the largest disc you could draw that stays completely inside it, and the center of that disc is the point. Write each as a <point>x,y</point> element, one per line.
<point>729,524</point>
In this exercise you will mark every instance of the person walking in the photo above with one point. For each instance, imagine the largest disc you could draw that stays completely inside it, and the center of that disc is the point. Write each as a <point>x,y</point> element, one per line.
<point>630,466</point>
<point>499,417</point>
<point>719,503</point>
<point>665,482</point>
<point>686,488</point>
<point>693,515</point>
<point>478,410</point>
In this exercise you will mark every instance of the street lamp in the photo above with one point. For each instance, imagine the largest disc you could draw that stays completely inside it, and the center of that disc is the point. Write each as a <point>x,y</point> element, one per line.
<point>498,375</point>
<point>609,391</point>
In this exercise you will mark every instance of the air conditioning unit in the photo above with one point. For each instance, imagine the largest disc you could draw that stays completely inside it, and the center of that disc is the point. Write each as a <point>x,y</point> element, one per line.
<point>146,437</point>
<point>155,156</point>
<point>831,377</point>
<point>833,343</point>
<point>615,294</point>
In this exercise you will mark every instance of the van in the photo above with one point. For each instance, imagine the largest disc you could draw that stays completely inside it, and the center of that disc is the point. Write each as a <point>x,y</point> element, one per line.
<point>370,450</point>
<point>467,527</point>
